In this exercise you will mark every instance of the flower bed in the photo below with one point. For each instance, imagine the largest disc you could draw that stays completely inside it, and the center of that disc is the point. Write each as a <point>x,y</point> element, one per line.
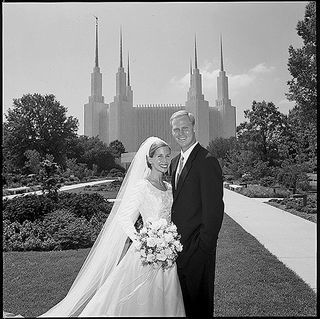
<point>258,191</point>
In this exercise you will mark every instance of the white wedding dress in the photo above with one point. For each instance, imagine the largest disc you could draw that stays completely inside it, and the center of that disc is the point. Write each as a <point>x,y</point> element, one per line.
<point>133,289</point>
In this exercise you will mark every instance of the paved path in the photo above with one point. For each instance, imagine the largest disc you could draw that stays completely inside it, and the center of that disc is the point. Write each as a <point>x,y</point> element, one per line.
<point>290,238</point>
<point>63,188</point>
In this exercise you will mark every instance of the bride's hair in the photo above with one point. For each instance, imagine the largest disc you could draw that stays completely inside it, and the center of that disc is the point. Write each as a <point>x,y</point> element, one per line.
<point>155,145</point>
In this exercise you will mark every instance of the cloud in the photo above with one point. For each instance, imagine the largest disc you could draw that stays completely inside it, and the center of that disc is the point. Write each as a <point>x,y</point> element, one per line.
<point>208,74</point>
<point>240,81</point>
<point>236,82</point>
<point>181,83</point>
<point>261,68</point>
<point>285,105</point>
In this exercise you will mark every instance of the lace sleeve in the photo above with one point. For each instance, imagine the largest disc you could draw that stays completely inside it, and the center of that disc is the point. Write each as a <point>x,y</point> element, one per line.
<point>130,209</point>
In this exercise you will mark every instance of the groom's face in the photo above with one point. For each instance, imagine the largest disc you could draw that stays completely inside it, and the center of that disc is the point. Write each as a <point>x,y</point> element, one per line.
<point>183,132</point>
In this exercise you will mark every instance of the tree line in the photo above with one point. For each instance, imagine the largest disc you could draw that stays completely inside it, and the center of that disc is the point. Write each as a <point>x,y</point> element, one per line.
<point>37,128</point>
<point>271,146</point>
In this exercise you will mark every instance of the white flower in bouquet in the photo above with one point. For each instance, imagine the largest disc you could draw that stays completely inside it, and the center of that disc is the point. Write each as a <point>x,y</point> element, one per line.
<point>158,243</point>
<point>161,257</point>
<point>172,228</point>
<point>151,242</point>
<point>168,252</point>
<point>178,245</point>
<point>168,237</point>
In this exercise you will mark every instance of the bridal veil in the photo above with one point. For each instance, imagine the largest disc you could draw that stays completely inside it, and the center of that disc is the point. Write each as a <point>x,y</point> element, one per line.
<point>106,251</point>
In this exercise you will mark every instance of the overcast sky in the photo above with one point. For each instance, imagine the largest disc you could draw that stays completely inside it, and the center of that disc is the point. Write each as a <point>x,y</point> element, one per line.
<point>48,48</point>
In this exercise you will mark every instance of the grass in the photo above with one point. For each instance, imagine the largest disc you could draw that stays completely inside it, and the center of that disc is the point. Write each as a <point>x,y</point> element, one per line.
<point>250,281</point>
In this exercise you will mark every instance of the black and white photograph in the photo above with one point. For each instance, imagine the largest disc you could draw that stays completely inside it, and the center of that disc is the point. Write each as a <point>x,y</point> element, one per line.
<point>159,159</point>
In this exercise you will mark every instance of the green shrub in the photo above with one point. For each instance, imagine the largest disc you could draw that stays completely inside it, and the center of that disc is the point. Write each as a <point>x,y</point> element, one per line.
<point>258,191</point>
<point>59,230</point>
<point>68,230</point>
<point>117,172</point>
<point>26,236</point>
<point>267,181</point>
<point>33,207</point>
<point>297,204</point>
<point>29,207</point>
<point>84,205</point>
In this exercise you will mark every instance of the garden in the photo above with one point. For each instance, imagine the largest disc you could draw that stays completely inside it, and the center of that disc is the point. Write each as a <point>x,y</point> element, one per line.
<point>55,220</point>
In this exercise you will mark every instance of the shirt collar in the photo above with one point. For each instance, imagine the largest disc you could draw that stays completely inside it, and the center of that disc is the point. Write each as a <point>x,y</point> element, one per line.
<point>188,152</point>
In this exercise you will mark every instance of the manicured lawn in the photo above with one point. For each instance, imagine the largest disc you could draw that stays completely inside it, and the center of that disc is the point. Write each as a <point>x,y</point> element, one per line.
<point>249,280</point>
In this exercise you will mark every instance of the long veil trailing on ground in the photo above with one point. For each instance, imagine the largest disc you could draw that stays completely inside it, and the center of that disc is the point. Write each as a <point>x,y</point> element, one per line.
<point>106,251</point>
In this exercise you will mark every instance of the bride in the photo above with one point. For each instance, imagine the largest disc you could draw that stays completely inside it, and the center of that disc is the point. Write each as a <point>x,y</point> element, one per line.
<point>113,281</point>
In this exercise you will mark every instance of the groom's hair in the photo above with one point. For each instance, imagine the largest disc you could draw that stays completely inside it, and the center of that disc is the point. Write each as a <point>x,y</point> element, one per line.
<point>182,113</point>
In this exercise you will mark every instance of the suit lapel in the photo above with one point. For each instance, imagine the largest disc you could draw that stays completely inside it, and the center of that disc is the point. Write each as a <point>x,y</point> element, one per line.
<point>174,165</point>
<point>185,170</point>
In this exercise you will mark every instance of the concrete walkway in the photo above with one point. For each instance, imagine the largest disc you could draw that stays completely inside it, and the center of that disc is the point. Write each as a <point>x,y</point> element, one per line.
<point>290,238</point>
<point>63,188</point>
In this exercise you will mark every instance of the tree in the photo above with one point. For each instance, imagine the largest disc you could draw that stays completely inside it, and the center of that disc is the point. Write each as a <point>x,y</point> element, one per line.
<point>303,141</point>
<point>49,173</point>
<point>220,146</point>
<point>238,162</point>
<point>302,66</point>
<point>117,148</point>
<point>33,164</point>
<point>37,122</point>
<point>263,132</point>
<point>90,151</point>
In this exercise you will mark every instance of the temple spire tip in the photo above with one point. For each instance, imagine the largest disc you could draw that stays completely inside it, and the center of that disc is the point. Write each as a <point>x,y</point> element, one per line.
<point>121,64</point>
<point>221,52</point>
<point>96,57</point>
<point>195,52</point>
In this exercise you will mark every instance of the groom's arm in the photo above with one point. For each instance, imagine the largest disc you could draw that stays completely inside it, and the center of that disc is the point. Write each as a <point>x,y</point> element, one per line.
<point>211,184</point>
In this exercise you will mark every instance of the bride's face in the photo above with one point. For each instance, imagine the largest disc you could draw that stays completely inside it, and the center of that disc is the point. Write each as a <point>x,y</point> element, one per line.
<point>161,159</point>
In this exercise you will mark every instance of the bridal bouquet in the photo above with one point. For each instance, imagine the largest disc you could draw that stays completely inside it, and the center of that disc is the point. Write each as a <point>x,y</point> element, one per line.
<point>158,243</point>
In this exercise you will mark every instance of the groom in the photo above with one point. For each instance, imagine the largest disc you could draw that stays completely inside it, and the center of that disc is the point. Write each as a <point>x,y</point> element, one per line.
<point>197,211</point>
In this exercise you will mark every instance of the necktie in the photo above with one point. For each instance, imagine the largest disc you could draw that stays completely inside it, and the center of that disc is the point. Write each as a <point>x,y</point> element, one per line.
<point>179,169</point>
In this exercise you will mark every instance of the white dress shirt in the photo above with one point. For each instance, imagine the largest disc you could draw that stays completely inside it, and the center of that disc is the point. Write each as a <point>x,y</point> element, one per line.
<point>185,156</point>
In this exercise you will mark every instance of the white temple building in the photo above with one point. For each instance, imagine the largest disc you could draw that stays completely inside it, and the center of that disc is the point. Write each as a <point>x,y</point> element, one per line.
<point>132,124</point>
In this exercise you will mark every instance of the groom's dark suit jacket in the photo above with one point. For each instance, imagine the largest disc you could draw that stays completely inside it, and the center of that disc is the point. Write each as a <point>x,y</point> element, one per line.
<point>198,206</point>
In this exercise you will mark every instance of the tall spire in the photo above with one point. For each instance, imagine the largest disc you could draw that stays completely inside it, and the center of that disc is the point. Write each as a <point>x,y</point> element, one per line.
<point>195,53</point>
<point>96,60</point>
<point>128,71</point>
<point>221,52</point>
<point>190,71</point>
<point>121,65</point>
